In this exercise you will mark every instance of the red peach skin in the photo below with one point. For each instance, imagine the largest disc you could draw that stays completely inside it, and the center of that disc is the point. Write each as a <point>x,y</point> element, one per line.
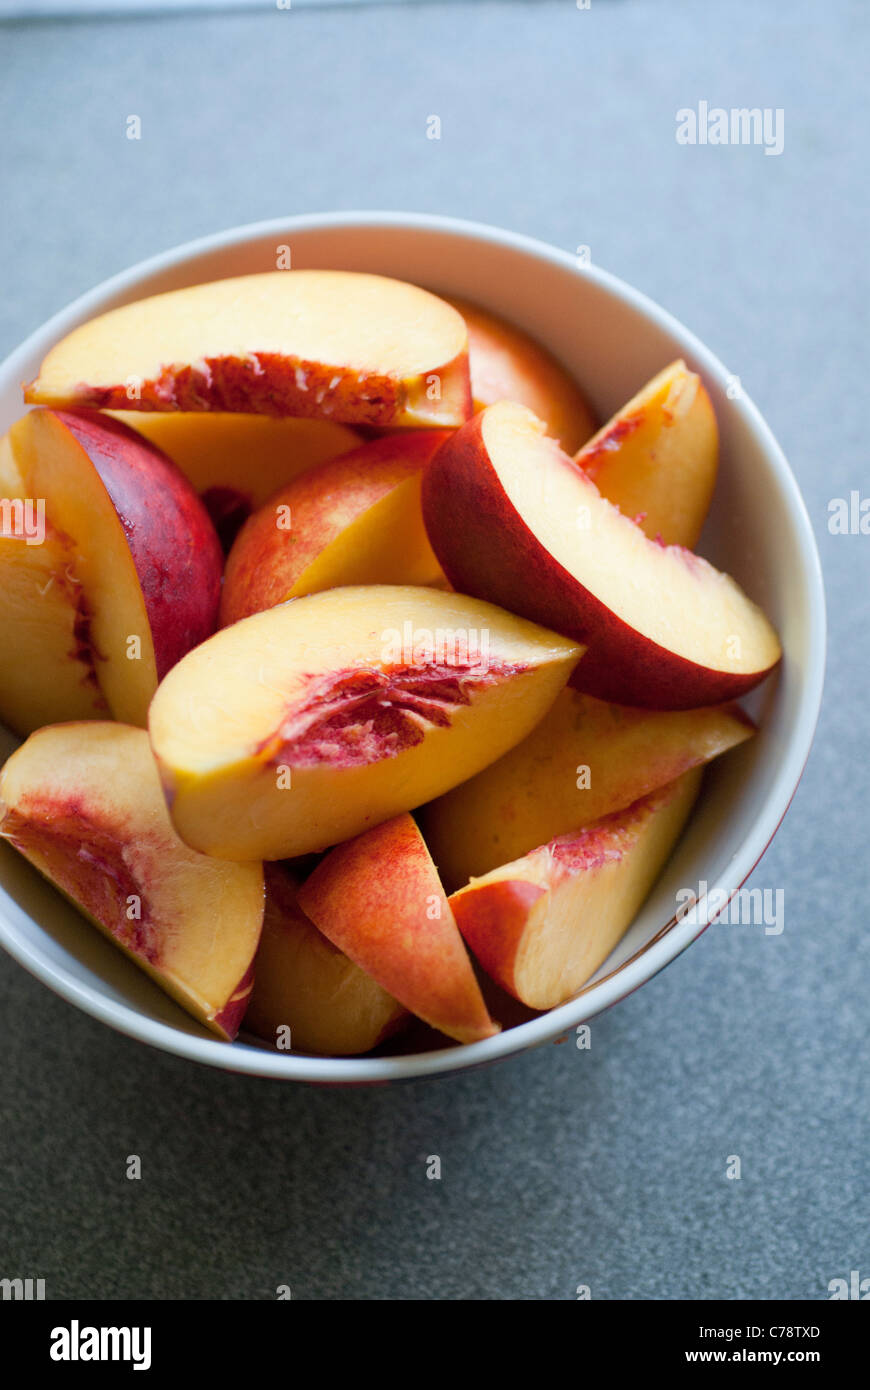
<point>379,899</point>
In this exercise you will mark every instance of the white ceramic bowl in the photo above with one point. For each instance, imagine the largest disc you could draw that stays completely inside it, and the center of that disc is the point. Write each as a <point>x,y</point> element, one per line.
<point>612,339</point>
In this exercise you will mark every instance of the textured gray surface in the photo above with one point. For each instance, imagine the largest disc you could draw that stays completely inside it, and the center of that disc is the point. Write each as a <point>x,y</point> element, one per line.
<point>562,1167</point>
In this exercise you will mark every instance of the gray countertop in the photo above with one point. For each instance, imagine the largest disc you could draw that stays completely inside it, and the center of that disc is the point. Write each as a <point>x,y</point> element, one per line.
<point>562,1167</point>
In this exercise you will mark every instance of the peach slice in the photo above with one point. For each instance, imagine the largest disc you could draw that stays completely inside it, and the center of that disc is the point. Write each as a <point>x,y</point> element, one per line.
<point>82,802</point>
<point>11,481</point>
<point>512,519</point>
<point>325,344</point>
<point>542,925</point>
<point>304,983</point>
<point>586,759</point>
<point>147,557</point>
<point>47,672</point>
<point>509,365</point>
<point>354,520</point>
<point>657,458</point>
<point>379,899</point>
<point>310,722</point>
<point>236,462</point>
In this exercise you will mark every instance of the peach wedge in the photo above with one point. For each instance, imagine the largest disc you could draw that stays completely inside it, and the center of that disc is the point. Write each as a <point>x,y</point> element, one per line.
<point>304,984</point>
<point>542,925</point>
<point>47,673</point>
<point>514,520</point>
<point>312,721</point>
<point>324,344</point>
<point>657,458</point>
<point>509,365</point>
<point>11,481</point>
<point>379,899</point>
<point>354,520</point>
<point>586,759</point>
<point>134,556</point>
<point>83,803</point>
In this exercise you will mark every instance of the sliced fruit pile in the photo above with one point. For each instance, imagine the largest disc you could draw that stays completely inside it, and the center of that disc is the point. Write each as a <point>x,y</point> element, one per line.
<point>287,557</point>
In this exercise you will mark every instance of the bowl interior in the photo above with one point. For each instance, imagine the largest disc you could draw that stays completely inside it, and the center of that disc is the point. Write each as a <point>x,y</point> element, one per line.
<point>612,340</point>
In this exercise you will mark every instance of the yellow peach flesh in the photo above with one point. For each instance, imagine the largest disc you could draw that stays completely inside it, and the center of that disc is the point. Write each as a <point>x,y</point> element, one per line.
<point>657,458</point>
<point>586,759</point>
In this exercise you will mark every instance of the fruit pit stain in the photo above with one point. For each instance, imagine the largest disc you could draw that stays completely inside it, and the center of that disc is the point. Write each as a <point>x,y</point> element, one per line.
<point>365,715</point>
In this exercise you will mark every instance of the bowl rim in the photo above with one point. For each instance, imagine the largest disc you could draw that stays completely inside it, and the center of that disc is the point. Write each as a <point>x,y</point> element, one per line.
<point>673,937</point>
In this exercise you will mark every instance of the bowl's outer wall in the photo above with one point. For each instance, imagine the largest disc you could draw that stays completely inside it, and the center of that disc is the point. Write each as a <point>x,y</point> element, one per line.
<point>612,339</point>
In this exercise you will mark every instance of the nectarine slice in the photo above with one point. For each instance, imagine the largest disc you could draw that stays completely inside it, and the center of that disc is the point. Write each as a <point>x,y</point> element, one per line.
<point>307,723</point>
<point>47,671</point>
<point>83,803</point>
<point>379,899</point>
<point>354,520</point>
<point>542,925</point>
<point>302,982</point>
<point>325,344</point>
<point>586,759</point>
<point>236,462</point>
<point>11,481</point>
<point>148,559</point>
<point>657,458</point>
<point>514,520</point>
<point>507,364</point>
